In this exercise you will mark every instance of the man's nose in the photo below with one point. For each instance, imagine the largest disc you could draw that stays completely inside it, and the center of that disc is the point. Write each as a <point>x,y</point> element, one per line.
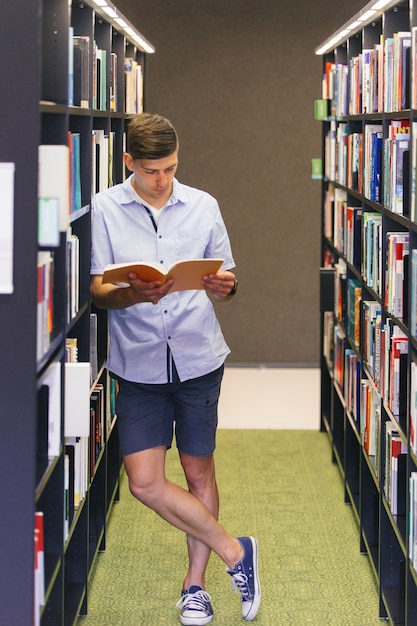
<point>161,179</point>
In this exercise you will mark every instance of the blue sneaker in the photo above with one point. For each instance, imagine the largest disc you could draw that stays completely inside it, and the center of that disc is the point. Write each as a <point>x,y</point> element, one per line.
<point>195,605</point>
<point>245,578</point>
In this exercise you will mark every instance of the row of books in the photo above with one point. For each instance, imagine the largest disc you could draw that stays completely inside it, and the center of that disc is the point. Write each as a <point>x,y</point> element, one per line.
<point>385,350</point>
<point>76,477</point>
<point>71,349</point>
<point>344,224</point>
<point>59,185</point>
<point>81,452</point>
<point>84,425</point>
<point>362,396</point>
<point>45,322</point>
<point>344,156</point>
<point>77,433</point>
<point>358,236</point>
<point>396,167</point>
<point>384,354</point>
<point>363,400</point>
<point>364,404</point>
<point>335,88</point>
<point>393,371</point>
<point>48,426</point>
<point>94,77</point>
<point>376,80</point>
<point>347,152</point>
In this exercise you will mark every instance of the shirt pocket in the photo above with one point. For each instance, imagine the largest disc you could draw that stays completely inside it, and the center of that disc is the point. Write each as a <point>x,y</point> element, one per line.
<point>190,244</point>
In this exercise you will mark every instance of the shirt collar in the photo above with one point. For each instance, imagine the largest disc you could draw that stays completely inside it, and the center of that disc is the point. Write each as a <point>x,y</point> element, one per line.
<point>179,192</point>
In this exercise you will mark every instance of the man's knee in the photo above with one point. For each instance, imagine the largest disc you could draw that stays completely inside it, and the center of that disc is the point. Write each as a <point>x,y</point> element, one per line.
<point>199,472</point>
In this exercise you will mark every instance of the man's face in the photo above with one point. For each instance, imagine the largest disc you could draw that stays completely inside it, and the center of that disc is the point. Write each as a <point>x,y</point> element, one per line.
<point>153,177</point>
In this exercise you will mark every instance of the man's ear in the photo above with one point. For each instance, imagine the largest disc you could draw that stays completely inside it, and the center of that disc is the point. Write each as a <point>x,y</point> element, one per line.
<point>128,161</point>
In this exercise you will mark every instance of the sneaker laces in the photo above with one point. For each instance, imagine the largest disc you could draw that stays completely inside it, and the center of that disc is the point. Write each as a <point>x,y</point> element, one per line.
<point>194,601</point>
<point>240,583</point>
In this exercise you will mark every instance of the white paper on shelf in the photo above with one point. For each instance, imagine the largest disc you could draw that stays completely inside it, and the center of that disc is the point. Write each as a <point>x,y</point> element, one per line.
<point>6,226</point>
<point>77,399</point>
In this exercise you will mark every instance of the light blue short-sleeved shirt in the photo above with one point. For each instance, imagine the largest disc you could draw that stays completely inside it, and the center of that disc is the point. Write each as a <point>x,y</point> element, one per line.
<point>190,227</point>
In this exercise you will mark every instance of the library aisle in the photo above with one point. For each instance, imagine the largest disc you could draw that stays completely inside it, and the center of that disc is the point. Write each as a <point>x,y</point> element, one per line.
<point>276,484</point>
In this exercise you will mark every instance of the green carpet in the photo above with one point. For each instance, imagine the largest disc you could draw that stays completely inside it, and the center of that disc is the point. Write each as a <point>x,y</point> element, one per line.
<point>277,485</point>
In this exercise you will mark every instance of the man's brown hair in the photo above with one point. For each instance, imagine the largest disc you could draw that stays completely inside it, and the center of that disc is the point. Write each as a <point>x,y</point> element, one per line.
<point>151,136</point>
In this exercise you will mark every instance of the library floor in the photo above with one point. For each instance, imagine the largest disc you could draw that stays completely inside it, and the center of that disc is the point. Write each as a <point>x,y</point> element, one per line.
<point>277,482</point>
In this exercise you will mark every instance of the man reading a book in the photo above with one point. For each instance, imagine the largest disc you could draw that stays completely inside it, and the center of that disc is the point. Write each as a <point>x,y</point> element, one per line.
<point>167,352</point>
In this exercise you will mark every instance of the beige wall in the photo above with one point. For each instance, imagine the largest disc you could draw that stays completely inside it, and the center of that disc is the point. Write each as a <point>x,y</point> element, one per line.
<point>238,79</point>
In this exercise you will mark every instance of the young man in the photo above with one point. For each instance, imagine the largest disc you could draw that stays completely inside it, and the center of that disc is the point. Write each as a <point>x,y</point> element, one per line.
<point>167,352</point>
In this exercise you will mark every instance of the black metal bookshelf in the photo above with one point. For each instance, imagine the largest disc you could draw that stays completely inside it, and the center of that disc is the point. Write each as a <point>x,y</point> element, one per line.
<point>36,109</point>
<point>361,407</point>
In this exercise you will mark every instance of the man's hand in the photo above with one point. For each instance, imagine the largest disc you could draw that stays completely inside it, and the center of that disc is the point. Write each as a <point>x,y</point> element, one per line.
<point>219,285</point>
<point>109,296</point>
<point>149,292</point>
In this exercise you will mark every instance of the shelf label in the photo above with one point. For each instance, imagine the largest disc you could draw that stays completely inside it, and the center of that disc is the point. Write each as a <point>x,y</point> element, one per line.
<point>321,109</point>
<point>316,169</point>
<point>6,226</point>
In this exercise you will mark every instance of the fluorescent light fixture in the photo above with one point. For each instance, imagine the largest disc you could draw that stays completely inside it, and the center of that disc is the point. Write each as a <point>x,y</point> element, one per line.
<point>107,10</point>
<point>369,14</point>
<point>110,12</point>
<point>333,41</point>
<point>380,4</point>
<point>120,21</point>
<point>353,25</point>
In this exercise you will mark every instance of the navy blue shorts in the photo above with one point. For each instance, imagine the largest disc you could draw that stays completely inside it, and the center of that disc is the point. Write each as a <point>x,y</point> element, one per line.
<point>148,414</point>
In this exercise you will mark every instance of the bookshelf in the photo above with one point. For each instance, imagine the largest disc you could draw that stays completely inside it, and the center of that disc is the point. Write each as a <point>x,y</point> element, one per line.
<point>368,285</point>
<point>81,71</point>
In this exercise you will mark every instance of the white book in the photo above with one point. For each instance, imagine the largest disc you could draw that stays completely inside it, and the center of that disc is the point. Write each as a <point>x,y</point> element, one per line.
<point>54,179</point>
<point>52,378</point>
<point>77,399</point>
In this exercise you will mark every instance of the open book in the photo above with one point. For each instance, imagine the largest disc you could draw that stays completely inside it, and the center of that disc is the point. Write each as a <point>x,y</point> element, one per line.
<point>187,274</point>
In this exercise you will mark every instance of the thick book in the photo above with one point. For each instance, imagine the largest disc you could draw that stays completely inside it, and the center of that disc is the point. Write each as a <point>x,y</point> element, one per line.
<point>81,62</point>
<point>187,274</point>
